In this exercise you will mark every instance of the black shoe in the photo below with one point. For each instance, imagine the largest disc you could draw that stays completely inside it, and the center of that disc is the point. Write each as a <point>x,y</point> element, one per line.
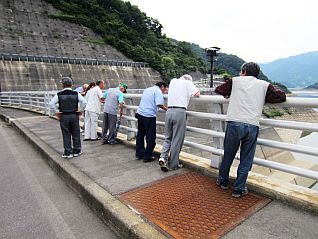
<point>149,160</point>
<point>86,139</point>
<point>113,142</point>
<point>138,158</point>
<point>239,193</point>
<point>223,185</point>
<point>105,142</point>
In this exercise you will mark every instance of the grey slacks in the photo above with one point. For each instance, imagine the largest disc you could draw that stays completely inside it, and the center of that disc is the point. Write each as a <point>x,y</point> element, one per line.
<point>175,127</point>
<point>109,125</point>
<point>69,124</point>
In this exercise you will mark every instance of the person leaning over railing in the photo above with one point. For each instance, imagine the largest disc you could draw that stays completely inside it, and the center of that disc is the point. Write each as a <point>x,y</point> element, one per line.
<point>68,100</point>
<point>180,92</point>
<point>151,100</point>
<point>247,96</point>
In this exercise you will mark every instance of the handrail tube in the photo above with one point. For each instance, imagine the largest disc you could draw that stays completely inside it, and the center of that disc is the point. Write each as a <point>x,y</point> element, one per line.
<point>290,101</point>
<point>261,162</point>
<point>264,142</point>
<point>287,168</point>
<point>274,123</point>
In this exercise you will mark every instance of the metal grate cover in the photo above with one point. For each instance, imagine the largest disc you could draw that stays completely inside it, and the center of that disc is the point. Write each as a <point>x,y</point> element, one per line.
<point>191,205</point>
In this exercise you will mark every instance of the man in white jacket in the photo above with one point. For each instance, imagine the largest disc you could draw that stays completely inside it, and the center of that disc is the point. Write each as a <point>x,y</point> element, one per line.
<point>93,109</point>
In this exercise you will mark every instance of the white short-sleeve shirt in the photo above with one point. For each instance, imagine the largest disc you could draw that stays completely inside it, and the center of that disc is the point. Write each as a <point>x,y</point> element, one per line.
<point>180,92</point>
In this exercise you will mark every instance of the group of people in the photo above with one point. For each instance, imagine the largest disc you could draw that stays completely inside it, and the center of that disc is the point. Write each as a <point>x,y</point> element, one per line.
<point>87,99</point>
<point>247,94</point>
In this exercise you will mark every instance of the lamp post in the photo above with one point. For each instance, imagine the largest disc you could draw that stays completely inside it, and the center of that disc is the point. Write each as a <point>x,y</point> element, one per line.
<point>211,53</point>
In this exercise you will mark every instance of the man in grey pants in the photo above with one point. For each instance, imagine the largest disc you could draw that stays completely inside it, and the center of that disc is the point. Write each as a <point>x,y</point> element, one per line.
<point>113,97</point>
<point>180,92</point>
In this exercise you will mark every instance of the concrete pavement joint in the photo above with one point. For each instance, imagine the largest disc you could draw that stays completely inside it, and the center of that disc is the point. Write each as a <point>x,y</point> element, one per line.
<point>113,212</point>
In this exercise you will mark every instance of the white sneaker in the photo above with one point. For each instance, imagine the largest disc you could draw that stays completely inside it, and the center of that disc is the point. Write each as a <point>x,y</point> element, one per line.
<point>76,155</point>
<point>162,162</point>
<point>67,156</point>
<point>163,165</point>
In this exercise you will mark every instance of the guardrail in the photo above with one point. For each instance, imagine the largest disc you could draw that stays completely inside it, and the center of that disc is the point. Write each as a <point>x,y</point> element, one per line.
<point>67,60</point>
<point>38,101</point>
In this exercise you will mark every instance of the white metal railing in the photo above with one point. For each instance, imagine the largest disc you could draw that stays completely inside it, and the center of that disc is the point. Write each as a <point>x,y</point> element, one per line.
<point>38,101</point>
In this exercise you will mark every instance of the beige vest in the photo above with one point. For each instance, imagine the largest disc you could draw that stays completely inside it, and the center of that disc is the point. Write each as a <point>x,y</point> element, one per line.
<point>247,100</point>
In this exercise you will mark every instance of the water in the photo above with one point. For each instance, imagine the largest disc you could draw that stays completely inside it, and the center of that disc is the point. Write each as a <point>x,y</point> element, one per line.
<point>305,94</point>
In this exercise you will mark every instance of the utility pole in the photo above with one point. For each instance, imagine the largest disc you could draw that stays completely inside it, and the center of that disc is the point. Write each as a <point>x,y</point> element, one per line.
<point>211,53</point>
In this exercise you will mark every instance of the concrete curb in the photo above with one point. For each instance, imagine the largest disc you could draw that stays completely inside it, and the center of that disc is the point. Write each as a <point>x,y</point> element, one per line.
<point>125,222</point>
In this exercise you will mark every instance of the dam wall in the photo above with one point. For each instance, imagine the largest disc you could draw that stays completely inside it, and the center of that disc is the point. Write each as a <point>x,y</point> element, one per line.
<point>28,76</point>
<point>27,29</point>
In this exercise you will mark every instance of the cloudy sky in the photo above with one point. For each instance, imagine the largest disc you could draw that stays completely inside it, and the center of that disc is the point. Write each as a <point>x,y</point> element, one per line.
<point>255,30</point>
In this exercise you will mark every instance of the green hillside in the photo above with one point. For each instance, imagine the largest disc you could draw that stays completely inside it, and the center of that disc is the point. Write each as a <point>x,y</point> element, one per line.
<point>140,37</point>
<point>132,32</point>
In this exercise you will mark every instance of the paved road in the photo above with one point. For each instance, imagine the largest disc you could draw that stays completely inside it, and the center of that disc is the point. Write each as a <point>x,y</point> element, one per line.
<point>34,201</point>
<point>115,169</point>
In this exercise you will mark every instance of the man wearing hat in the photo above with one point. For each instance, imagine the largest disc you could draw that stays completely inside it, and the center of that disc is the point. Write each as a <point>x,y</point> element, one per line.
<point>113,97</point>
<point>68,100</point>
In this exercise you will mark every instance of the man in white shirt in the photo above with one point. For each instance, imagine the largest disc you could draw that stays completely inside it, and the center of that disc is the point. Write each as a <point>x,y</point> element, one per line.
<point>180,92</point>
<point>92,110</point>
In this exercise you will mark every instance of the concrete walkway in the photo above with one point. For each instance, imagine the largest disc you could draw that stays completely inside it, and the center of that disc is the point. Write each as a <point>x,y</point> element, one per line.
<point>35,202</point>
<point>106,171</point>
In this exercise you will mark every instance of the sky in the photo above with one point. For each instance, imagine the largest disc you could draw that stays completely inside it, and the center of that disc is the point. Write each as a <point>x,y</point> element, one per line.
<point>254,30</point>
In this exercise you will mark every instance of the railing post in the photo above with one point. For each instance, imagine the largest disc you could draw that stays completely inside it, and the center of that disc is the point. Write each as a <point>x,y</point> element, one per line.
<point>38,108</point>
<point>131,123</point>
<point>30,100</point>
<point>47,111</point>
<point>20,101</point>
<point>219,126</point>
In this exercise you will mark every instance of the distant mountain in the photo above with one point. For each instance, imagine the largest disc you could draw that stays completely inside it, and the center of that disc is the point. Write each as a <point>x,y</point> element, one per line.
<point>295,71</point>
<point>314,86</point>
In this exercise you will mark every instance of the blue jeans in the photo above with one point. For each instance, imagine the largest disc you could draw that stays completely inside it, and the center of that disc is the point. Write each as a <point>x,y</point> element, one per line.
<point>238,134</point>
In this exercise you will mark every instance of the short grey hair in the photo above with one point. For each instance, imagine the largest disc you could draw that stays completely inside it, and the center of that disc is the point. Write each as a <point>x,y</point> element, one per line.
<point>187,77</point>
<point>67,81</point>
